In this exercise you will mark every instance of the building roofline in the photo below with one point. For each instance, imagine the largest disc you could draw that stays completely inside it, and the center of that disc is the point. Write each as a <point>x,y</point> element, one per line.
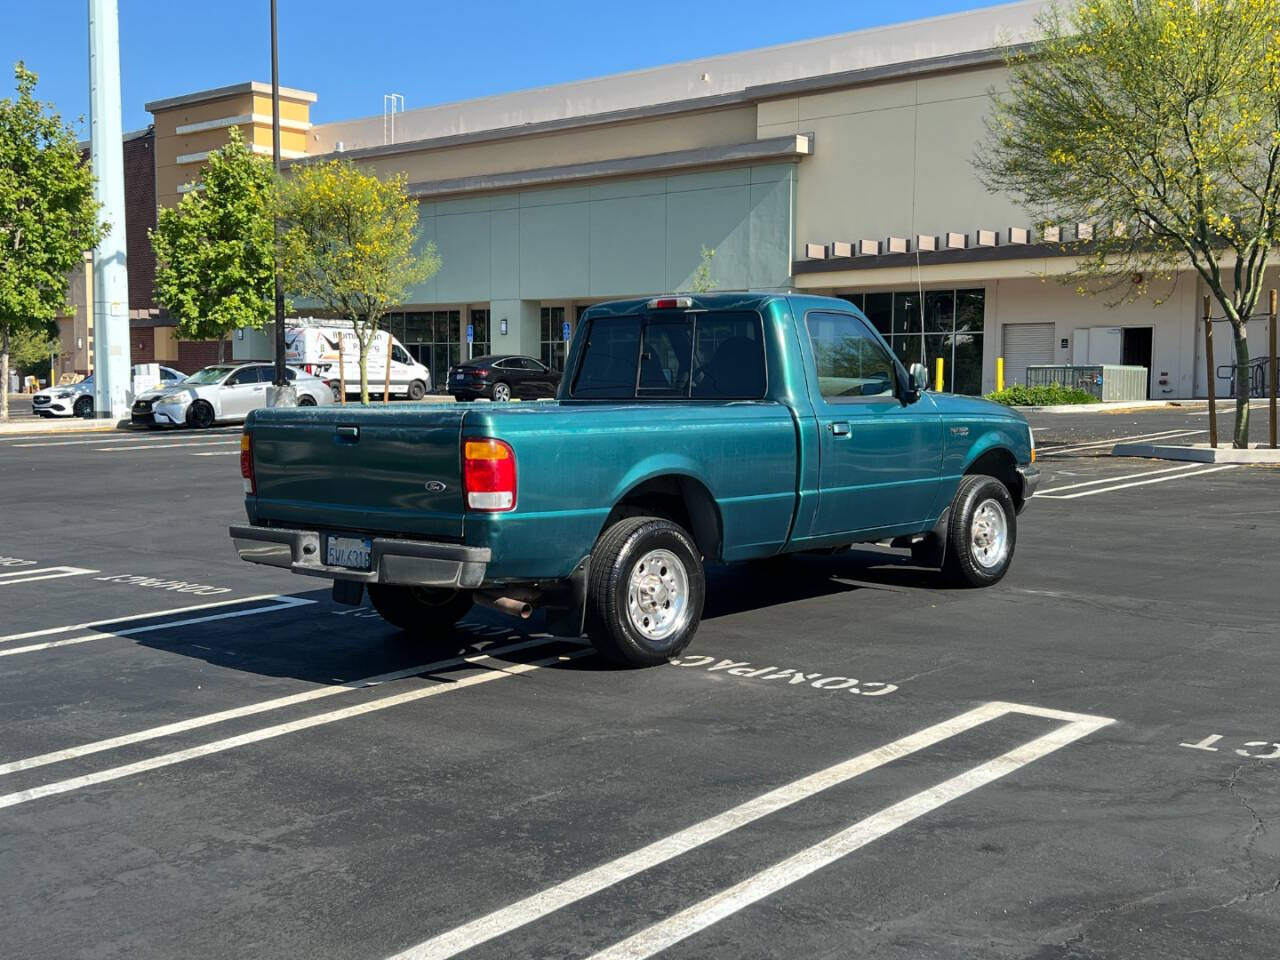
<point>1022,251</point>
<point>219,93</point>
<point>791,148</point>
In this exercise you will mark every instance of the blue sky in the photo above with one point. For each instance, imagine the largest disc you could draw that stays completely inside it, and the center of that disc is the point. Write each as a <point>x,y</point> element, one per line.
<point>352,52</point>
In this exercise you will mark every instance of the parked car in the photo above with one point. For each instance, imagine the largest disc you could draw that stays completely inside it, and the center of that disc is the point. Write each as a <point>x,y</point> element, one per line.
<point>502,377</point>
<point>223,392</point>
<point>689,430</point>
<point>76,399</point>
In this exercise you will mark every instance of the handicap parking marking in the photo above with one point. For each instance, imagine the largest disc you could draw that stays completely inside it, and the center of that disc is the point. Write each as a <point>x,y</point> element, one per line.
<point>1183,473</point>
<point>665,933</point>
<point>1249,749</point>
<point>278,603</point>
<point>29,575</point>
<point>792,676</point>
<point>495,670</point>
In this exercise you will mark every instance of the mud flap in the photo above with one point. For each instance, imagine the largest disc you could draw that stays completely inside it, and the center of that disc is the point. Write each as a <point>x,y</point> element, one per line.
<point>567,611</point>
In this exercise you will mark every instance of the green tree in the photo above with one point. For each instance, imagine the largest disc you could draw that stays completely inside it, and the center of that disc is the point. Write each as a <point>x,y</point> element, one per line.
<point>702,282</point>
<point>48,217</point>
<point>351,242</point>
<point>1158,120</point>
<point>30,348</point>
<point>215,251</point>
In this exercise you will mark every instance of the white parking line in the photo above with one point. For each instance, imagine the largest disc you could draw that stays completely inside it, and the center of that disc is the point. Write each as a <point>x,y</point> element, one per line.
<point>168,446</point>
<point>262,706</point>
<point>282,603</point>
<point>217,453</point>
<point>96,624</point>
<point>689,921</point>
<point>1073,447</point>
<point>281,729</point>
<point>1136,483</point>
<point>525,911</point>
<point>102,440</point>
<point>43,573</point>
<point>1130,476</point>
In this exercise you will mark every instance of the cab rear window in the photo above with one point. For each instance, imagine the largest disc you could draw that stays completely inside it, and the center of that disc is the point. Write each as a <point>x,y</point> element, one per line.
<point>713,355</point>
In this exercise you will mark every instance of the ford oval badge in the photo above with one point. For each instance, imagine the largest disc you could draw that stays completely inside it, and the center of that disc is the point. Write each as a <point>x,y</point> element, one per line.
<point>435,486</point>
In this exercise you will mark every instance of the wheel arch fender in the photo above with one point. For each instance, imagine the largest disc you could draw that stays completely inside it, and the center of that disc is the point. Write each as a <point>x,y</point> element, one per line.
<point>993,456</point>
<point>672,487</point>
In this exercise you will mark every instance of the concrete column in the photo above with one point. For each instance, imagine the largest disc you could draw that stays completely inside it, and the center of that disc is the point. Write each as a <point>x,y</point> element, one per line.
<point>523,319</point>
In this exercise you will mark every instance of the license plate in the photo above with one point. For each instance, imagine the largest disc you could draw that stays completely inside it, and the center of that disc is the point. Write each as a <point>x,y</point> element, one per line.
<point>352,552</point>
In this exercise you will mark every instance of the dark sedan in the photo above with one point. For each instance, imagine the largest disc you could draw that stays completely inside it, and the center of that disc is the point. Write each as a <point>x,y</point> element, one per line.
<point>502,377</point>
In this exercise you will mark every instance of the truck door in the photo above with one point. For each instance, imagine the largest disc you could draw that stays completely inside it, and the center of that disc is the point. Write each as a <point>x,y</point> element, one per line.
<point>880,458</point>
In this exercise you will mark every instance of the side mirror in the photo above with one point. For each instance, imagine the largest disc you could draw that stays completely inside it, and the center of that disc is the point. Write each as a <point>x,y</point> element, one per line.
<point>917,380</point>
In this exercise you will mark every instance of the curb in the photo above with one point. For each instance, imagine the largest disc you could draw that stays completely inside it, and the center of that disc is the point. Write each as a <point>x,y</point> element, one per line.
<point>1199,453</point>
<point>1119,407</point>
<point>53,427</point>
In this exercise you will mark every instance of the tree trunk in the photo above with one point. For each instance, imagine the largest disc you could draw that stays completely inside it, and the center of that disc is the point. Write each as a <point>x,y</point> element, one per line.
<point>364,371</point>
<point>1241,333</point>
<point>4,375</point>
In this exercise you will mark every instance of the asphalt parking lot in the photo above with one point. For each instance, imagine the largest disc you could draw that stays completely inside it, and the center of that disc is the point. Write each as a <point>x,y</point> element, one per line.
<point>210,760</point>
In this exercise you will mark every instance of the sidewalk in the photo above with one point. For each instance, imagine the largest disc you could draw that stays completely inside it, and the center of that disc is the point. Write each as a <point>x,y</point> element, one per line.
<point>62,425</point>
<point>1126,406</point>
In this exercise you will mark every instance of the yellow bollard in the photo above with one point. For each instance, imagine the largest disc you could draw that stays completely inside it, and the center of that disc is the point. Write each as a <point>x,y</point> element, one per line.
<point>937,380</point>
<point>999,374</point>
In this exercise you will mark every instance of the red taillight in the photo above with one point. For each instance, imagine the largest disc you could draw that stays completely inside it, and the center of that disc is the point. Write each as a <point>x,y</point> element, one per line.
<point>246,464</point>
<point>481,373</point>
<point>489,475</point>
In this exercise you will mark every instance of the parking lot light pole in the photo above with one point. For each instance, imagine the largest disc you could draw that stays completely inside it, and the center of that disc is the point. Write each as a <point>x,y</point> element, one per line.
<point>283,395</point>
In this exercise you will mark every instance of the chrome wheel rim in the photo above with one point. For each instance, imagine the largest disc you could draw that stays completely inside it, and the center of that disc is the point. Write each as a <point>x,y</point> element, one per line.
<point>989,535</point>
<point>658,595</point>
<point>501,392</point>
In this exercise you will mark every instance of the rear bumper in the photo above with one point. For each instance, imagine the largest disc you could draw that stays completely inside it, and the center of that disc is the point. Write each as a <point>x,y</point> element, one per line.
<point>409,562</point>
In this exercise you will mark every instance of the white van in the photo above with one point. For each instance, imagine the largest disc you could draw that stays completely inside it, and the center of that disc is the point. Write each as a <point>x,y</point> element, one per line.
<point>314,344</point>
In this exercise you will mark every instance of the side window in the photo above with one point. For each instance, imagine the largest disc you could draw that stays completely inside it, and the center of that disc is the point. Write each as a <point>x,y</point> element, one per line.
<point>243,376</point>
<point>665,358</point>
<point>399,354</point>
<point>530,365</point>
<point>851,362</point>
<point>728,357</point>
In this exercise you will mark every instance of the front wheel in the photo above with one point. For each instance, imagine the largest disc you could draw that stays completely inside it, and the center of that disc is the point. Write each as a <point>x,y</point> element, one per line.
<point>200,415</point>
<point>646,590</point>
<point>306,400</point>
<point>83,407</point>
<point>981,532</point>
<point>426,611</point>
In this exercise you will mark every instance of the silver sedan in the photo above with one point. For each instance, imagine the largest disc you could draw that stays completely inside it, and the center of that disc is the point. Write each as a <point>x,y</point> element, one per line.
<point>223,393</point>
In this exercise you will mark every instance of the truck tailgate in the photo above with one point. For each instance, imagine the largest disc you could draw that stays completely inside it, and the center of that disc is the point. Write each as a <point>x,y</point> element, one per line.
<point>396,470</point>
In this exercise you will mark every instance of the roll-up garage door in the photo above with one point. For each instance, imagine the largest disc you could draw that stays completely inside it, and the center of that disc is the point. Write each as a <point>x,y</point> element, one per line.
<point>1025,344</point>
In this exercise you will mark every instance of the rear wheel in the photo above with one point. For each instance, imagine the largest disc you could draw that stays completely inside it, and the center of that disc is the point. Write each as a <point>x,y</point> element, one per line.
<point>306,401</point>
<point>981,532</point>
<point>425,611</point>
<point>501,392</point>
<point>200,415</point>
<point>646,590</point>
<point>417,390</point>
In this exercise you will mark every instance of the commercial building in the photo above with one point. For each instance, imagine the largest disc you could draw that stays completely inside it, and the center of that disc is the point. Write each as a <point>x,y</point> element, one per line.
<point>840,165</point>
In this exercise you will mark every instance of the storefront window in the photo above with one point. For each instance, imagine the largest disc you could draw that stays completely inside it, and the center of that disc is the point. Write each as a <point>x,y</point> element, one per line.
<point>950,326</point>
<point>481,344</point>
<point>432,337</point>
<point>553,337</point>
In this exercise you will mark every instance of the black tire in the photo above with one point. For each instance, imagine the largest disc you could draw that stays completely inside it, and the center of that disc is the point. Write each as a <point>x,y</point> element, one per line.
<point>965,564</point>
<point>306,400</point>
<point>83,407</point>
<point>617,555</point>
<point>425,611</point>
<point>200,415</point>
<point>417,390</point>
<point>501,387</point>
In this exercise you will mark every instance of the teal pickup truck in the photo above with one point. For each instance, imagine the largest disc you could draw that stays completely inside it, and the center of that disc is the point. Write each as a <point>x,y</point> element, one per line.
<point>687,430</point>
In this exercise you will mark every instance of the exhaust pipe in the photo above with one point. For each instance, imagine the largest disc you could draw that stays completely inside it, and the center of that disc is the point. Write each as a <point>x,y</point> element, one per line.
<point>508,605</point>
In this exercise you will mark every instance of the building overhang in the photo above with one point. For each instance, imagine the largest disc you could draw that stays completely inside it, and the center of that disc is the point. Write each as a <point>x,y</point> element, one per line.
<point>791,148</point>
<point>234,90</point>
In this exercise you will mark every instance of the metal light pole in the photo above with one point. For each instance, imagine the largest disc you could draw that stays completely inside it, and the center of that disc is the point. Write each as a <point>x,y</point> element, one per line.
<point>110,273</point>
<point>284,395</point>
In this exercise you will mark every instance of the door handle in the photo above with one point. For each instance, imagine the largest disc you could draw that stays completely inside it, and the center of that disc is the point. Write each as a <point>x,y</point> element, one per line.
<point>839,428</point>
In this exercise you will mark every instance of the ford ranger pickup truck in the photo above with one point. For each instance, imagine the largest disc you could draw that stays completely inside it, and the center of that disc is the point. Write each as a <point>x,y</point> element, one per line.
<point>687,430</point>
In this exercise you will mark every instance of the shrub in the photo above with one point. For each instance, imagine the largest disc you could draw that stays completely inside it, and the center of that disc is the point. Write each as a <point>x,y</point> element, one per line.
<point>1043,396</point>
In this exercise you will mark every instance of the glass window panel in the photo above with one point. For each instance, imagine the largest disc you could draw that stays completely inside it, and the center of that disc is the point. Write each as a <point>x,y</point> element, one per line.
<point>906,313</point>
<point>879,310</point>
<point>967,377</point>
<point>453,320</point>
<point>907,348</point>
<point>666,357</point>
<point>939,311</point>
<point>935,346</point>
<point>608,366</point>
<point>728,357</point>
<point>970,305</point>
<point>854,298</point>
<point>417,328</point>
<point>851,363</point>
